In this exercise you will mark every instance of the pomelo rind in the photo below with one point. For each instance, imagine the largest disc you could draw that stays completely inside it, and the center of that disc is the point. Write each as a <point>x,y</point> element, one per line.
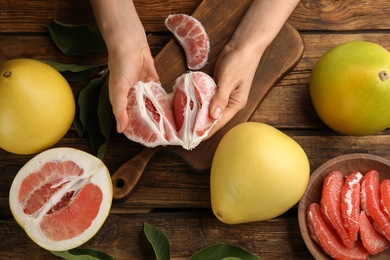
<point>94,169</point>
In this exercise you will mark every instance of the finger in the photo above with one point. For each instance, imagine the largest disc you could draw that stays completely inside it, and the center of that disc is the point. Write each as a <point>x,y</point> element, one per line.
<point>220,100</point>
<point>118,98</point>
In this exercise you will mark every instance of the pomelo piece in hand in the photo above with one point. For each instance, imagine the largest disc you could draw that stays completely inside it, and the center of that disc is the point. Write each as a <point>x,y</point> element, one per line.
<point>61,198</point>
<point>177,118</point>
<point>252,173</point>
<point>192,36</point>
<point>350,88</point>
<point>37,106</point>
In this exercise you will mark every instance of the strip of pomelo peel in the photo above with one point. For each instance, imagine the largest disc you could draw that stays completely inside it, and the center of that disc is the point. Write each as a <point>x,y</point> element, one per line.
<point>328,239</point>
<point>371,192</point>
<point>373,241</point>
<point>350,204</point>
<point>330,205</point>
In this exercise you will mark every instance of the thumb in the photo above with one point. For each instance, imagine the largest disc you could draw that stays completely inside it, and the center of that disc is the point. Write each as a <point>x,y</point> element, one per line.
<point>221,97</point>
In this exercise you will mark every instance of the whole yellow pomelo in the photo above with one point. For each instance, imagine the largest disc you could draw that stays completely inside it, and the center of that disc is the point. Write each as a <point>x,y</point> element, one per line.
<point>350,88</point>
<point>257,173</point>
<point>37,106</point>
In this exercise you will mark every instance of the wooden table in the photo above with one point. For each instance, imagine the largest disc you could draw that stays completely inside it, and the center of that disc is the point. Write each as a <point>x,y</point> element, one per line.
<point>170,195</point>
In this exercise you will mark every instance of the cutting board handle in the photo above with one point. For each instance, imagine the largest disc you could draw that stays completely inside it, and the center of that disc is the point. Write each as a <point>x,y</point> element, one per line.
<point>127,176</point>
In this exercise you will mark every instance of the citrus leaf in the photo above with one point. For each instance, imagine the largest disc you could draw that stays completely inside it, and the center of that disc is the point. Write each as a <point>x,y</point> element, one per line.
<point>76,39</point>
<point>82,254</point>
<point>85,105</point>
<point>223,251</point>
<point>73,72</point>
<point>159,241</point>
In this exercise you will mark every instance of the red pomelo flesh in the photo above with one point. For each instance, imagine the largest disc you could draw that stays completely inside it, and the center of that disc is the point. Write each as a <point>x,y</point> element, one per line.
<point>61,197</point>
<point>330,205</point>
<point>371,196</point>
<point>178,118</point>
<point>372,240</point>
<point>192,36</point>
<point>329,239</point>
<point>350,204</point>
<point>385,197</point>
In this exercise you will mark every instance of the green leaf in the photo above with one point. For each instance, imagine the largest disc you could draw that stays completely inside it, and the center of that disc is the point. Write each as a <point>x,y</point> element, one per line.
<point>106,118</point>
<point>159,241</point>
<point>223,251</point>
<point>82,254</point>
<point>94,114</point>
<point>76,39</point>
<point>73,72</point>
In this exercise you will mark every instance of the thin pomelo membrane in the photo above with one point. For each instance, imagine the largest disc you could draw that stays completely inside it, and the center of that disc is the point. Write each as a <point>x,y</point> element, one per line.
<point>61,198</point>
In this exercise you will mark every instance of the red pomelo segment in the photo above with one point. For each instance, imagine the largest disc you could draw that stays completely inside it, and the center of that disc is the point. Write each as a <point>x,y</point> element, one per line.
<point>193,94</point>
<point>37,188</point>
<point>151,120</point>
<point>350,204</point>
<point>61,224</point>
<point>331,205</point>
<point>372,240</point>
<point>385,197</point>
<point>371,195</point>
<point>192,36</point>
<point>328,238</point>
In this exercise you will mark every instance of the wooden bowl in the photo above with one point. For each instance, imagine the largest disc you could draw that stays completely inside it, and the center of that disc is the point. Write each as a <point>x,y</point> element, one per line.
<point>345,164</point>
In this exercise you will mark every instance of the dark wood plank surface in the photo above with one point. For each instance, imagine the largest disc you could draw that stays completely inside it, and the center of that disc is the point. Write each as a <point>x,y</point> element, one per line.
<point>170,195</point>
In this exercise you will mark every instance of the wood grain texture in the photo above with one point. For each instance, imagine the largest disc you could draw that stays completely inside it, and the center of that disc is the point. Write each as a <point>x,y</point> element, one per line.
<point>170,194</point>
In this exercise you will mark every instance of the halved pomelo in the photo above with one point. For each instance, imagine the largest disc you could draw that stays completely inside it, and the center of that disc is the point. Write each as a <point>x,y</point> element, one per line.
<point>61,198</point>
<point>192,36</point>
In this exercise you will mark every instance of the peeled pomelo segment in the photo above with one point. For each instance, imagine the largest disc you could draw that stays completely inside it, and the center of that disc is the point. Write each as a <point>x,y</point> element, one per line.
<point>151,121</point>
<point>192,36</point>
<point>61,198</point>
<point>329,239</point>
<point>371,194</point>
<point>331,205</point>
<point>385,197</point>
<point>193,94</point>
<point>372,240</point>
<point>350,204</point>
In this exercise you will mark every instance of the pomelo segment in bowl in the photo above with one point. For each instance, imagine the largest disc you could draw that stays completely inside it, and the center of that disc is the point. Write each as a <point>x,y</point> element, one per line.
<point>192,36</point>
<point>61,198</point>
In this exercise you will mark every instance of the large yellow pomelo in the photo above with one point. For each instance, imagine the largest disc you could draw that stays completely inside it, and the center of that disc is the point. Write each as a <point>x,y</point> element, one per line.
<point>350,88</point>
<point>37,106</point>
<point>257,173</point>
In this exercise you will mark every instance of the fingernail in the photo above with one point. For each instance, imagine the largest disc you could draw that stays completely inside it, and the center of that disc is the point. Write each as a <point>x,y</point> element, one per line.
<point>217,112</point>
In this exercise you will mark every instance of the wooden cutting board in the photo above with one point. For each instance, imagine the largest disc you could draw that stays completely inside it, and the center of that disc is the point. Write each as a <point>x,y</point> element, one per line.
<point>220,21</point>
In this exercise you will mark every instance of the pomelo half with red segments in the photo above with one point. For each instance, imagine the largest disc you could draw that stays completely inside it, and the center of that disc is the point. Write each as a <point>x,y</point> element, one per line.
<point>192,36</point>
<point>61,198</point>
